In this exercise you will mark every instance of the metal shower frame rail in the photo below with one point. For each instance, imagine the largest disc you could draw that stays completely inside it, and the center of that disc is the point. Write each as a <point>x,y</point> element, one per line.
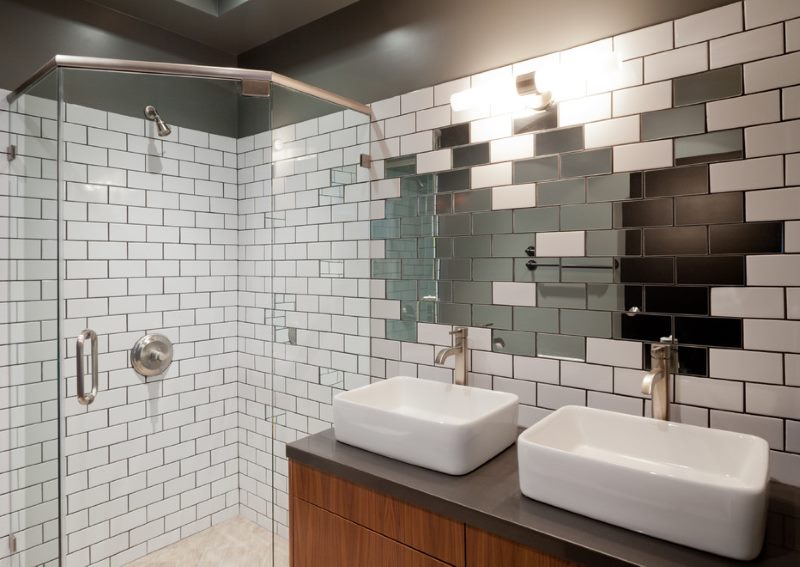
<point>185,70</point>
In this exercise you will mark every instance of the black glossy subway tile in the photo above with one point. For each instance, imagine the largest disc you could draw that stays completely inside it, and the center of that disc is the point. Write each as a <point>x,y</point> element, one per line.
<point>565,192</point>
<point>668,299</point>
<point>676,181</point>
<point>747,238</point>
<point>709,331</point>
<point>452,136</point>
<point>591,162</point>
<point>614,242</point>
<point>467,156</point>
<point>646,270</point>
<point>642,327</point>
<point>538,121</point>
<point>616,187</point>
<point>693,360</point>
<point>710,209</point>
<point>559,141</point>
<point>470,201</point>
<point>675,241</point>
<point>711,85</point>
<point>537,169</point>
<point>715,146</point>
<point>710,270</point>
<point>650,212</point>
<point>458,180</point>
<point>674,122</point>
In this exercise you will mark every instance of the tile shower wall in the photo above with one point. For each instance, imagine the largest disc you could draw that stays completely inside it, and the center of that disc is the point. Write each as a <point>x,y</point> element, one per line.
<point>660,200</point>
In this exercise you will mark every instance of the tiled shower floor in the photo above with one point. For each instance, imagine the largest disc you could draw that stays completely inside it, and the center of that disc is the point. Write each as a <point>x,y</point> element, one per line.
<point>234,543</point>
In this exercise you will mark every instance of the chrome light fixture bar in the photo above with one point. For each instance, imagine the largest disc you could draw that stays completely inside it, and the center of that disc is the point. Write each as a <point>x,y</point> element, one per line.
<point>186,70</point>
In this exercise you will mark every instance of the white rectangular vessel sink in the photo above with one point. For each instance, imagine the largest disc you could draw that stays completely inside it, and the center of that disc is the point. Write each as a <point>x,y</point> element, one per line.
<point>443,427</point>
<point>699,487</point>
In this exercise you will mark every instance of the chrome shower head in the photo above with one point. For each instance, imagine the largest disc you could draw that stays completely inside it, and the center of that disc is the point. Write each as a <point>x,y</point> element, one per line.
<point>152,114</point>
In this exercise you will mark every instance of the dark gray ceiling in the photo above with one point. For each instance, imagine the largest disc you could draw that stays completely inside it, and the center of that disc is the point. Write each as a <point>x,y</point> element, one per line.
<point>235,29</point>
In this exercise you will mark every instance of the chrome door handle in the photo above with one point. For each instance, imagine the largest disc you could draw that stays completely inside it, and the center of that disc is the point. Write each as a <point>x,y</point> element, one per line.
<point>84,398</point>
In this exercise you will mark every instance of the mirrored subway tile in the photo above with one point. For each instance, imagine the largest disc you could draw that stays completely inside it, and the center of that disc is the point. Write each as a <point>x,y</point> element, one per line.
<point>514,196</point>
<point>458,180</point>
<point>691,360</point>
<point>614,242</point>
<point>472,246</point>
<point>416,226</point>
<point>774,204</point>
<point>538,319</point>
<point>568,191</point>
<point>452,136</point>
<point>712,85</point>
<point>559,141</point>
<point>385,228</point>
<point>613,297</point>
<point>570,296</point>
<point>583,110</point>
<point>709,209</point>
<point>401,248</point>
<point>709,24</point>
<point>747,46</point>
<point>644,98</point>
<point>676,62</point>
<point>649,212</point>
<point>747,110</point>
<point>760,173</point>
<point>401,331</point>
<point>514,293</point>
<point>773,139</point>
<point>563,347</point>
<point>675,240</point>
<point>532,170</point>
<point>538,120</point>
<point>474,154</point>
<point>514,342</point>
<point>679,299</point>
<point>490,175</point>
<point>612,132</point>
<point>495,222</point>
<point>452,225</point>
<point>443,247</point>
<point>538,270</point>
<point>451,269</point>
<point>416,185</point>
<point>425,268</point>
<point>439,160</point>
<point>614,353</point>
<point>585,217</point>
<point>444,203</point>
<point>709,331</point>
<point>472,292</point>
<point>406,290</point>
<point>516,147</point>
<point>616,187</point>
<point>469,201</point>
<point>386,269</point>
<point>539,219</point>
<point>587,270</point>
<point>403,207</point>
<point>561,244</point>
<point>674,122</point>
<point>712,270</point>
<point>494,316</point>
<point>492,270</point>
<point>644,41</point>
<point>747,238</point>
<point>593,162</point>
<point>511,245</point>
<point>756,302</point>
<point>453,314</point>
<point>642,327</point>
<point>586,323</point>
<point>645,155</point>
<point>715,146</point>
<point>646,270</point>
<point>783,71</point>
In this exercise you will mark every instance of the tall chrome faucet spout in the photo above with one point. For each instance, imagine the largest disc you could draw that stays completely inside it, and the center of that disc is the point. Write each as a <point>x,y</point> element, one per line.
<point>459,351</point>
<point>656,383</point>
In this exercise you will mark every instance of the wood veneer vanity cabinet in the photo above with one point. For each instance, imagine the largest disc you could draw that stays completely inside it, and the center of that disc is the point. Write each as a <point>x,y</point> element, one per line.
<point>336,523</point>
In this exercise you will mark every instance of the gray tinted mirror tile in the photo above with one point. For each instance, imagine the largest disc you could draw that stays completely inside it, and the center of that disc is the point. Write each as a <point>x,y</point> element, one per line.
<point>496,222</point>
<point>514,342</point>
<point>538,219</point>
<point>383,229</point>
<point>416,226</point>
<point>588,274</point>
<point>511,245</point>
<point>561,346</point>
<point>458,180</point>
<point>712,85</point>
<point>614,243</point>
<point>532,170</point>
<point>616,187</point>
<point>451,225</point>
<point>536,319</point>
<point>425,247</point>
<point>416,186</point>
<point>586,323</point>
<point>564,192</point>
<point>400,166</point>
<point>472,246</point>
<point>571,296</point>
<point>451,136</point>
<point>714,146</point>
<point>401,248</point>
<point>606,297</point>
<point>592,162</point>
<point>427,312</point>
<point>454,314</point>
<point>580,217</point>
<point>545,270</point>
<point>454,269</point>
<point>401,289</point>
<point>472,292</point>
<point>473,201</point>
<point>386,269</point>
<point>495,316</point>
<point>408,311</point>
<point>397,208</point>
<point>444,203</point>
<point>401,330</point>
<point>467,156</point>
<point>443,247</point>
<point>431,290</point>
<point>492,270</point>
<point>423,269</point>
<point>559,141</point>
<point>674,122</point>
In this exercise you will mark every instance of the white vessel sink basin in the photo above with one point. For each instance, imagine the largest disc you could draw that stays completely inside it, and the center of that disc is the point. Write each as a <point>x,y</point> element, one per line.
<point>443,427</point>
<point>703,488</point>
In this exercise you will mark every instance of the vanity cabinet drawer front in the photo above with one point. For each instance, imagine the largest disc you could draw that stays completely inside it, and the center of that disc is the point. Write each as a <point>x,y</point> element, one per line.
<point>487,550</point>
<point>322,538</point>
<point>430,533</point>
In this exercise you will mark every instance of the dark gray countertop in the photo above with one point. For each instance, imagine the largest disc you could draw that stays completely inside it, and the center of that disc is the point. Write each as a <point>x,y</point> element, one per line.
<point>489,498</point>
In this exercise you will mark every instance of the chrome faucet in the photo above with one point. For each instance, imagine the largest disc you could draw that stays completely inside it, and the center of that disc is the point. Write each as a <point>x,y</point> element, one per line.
<point>459,350</point>
<point>663,362</point>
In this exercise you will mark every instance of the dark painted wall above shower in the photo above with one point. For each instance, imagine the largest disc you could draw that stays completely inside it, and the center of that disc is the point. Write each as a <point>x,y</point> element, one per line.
<point>375,49</point>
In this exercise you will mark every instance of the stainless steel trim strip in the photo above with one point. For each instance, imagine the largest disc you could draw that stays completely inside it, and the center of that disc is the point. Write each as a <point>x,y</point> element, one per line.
<point>181,69</point>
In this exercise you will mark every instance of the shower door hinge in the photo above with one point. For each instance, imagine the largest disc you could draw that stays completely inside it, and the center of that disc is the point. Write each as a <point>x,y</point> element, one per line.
<point>365,161</point>
<point>11,152</point>
<point>12,543</point>
<point>255,88</point>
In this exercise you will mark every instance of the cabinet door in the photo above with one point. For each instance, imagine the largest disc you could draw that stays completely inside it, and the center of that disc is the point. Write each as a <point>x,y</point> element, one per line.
<point>319,538</point>
<point>487,550</point>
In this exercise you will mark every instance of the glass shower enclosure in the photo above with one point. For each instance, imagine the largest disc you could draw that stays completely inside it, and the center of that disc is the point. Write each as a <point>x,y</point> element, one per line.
<point>157,205</point>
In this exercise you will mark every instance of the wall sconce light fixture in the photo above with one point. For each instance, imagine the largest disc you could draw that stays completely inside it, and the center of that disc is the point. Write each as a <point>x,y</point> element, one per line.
<point>536,97</point>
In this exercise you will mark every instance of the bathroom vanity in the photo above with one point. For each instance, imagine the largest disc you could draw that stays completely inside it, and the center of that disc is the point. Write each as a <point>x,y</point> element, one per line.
<point>353,508</point>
